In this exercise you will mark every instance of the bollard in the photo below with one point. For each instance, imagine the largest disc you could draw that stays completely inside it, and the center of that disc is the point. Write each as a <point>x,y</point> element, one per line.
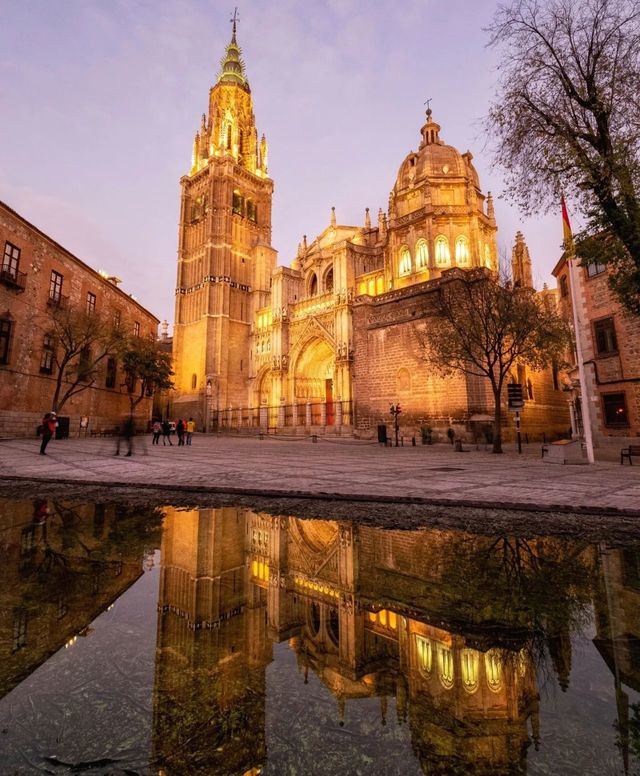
<point>401,441</point>
<point>413,441</point>
<point>314,438</point>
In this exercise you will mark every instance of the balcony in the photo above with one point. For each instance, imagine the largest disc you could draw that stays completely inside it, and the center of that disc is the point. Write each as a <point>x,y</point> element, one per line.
<point>13,279</point>
<point>58,301</point>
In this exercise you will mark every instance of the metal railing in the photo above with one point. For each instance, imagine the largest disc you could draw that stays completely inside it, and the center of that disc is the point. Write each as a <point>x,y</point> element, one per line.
<point>13,278</point>
<point>284,416</point>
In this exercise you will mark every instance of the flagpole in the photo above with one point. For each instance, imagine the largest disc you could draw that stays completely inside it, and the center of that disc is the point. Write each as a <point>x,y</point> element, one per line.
<point>574,283</point>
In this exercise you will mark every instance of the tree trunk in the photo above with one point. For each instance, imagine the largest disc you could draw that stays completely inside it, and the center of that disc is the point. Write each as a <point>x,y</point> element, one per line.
<point>497,422</point>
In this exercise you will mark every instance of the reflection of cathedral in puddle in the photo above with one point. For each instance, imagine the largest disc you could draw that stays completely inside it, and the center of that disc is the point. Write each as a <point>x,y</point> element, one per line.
<point>359,607</point>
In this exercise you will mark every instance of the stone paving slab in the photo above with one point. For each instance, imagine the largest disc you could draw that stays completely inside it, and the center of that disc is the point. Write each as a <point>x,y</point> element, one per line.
<point>333,469</point>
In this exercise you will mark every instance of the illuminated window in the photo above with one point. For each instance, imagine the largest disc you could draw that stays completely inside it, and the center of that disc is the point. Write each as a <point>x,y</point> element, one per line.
<point>371,288</point>
<point>443,256</point>
<point>469,664</point>
<point>237,203</point>
<point>382,617</point>
<point>422,254</point>
<point>405,262</point>
<point>615,410</point>
<point>380,285</point>
<point>425,654</point>
<point>254,568</point>
<point>445,667</point>
<point>393,620</point>
<point>463,255</point>
<point>487,256</point>
<point>362,288</point>
<point>493,670</point>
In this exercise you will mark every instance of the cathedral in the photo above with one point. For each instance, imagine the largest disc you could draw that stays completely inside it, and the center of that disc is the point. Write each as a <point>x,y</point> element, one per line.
<point>327,343</point>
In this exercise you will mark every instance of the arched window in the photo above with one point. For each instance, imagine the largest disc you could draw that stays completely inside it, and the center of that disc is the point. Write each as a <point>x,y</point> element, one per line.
<point>443,256</point>
<point>487,256</point>
<point>228,138</point>
<point>425,654</point>
<point>463,254</point>
<point>493,670</point>
<point>422,255</point>
<point>445,667</point>
<point>371,287</point>
<point>194,382</point>
<point>251,210</point>
<point>312,284</point>
<point>328,280</point>
<point>469,664</point>
<point>405,262</point>
<point>380,285</point>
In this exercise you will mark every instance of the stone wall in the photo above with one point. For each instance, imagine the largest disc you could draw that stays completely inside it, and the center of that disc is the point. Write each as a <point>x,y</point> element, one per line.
<point>26,392</point>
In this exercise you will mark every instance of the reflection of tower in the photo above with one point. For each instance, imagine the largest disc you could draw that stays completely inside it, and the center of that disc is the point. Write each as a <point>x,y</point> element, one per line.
<point>212,648</point>
<point>559,646</point>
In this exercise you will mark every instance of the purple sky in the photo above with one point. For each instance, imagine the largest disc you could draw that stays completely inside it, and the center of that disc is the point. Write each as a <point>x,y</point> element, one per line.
<point>101,98</point>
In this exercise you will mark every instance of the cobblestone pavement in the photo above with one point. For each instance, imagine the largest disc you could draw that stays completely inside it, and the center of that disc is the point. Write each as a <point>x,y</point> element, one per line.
<point>336,467</point>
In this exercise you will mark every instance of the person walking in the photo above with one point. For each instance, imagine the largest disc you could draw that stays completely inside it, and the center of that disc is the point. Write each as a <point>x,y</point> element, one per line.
<point>49,423</point>
<point>166,433</point>
<point>127,431</point>
<point>191,427</point>
<point>157,430</point>
<point>180,429</point>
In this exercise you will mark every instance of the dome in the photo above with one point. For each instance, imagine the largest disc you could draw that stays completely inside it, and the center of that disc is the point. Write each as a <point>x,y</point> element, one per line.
<point>435,160</point>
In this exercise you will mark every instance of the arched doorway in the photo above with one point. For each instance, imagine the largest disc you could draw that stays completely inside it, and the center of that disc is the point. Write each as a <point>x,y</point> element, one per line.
<point>314,376</point>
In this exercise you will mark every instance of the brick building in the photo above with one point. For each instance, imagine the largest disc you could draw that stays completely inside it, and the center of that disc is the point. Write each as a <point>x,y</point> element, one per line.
<point>325,344</point>
<point>37,277</point>
<point>610,339</point>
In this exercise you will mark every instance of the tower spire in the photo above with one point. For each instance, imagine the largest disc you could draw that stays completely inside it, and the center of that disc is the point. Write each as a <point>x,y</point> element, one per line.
<point>232,64</point>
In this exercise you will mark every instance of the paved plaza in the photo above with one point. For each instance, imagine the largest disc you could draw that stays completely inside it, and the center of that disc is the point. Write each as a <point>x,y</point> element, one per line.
<point>345,468</point>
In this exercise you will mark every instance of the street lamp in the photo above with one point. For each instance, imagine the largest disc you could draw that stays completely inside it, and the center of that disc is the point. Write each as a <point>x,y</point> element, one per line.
<point>395,410</point>
<point>209,392</point>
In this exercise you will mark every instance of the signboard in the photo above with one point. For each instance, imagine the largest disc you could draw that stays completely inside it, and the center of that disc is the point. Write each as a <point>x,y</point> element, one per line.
<point>515,397</point>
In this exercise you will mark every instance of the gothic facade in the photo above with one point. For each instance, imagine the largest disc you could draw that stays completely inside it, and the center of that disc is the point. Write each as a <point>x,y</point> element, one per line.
<point>328,342</point>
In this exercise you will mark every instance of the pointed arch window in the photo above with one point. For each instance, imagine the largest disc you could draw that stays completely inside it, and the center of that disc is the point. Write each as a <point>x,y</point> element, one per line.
<point>425,654</point>
<point>228,137</point>
<point>493,670</point>
<point>312,284</point>
<point>443,257</point>
<point>445,667</point>
<point>487,256</point>
<point>422,255</point>
<point>405,262</point>
<point>470,668</point>
<point>463,253</point>
<point>328,279</point>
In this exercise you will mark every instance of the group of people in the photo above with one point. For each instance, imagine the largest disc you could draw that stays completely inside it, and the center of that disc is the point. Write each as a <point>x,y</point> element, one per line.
<point>184,432</point>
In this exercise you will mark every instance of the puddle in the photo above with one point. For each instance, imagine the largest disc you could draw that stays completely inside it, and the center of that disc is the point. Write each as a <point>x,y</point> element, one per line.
<point>228,641</point>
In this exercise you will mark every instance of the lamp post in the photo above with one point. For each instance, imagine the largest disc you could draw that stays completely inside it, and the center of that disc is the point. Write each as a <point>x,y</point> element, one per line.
<point>207,421</point>
<point>395,410</point>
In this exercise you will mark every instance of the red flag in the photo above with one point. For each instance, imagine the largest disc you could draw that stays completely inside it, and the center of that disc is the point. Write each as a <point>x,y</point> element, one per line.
<point>566,226</point>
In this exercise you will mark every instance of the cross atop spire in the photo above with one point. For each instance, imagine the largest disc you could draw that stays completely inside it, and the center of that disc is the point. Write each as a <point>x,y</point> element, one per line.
<point>234,20</point>
<point>232,65</point>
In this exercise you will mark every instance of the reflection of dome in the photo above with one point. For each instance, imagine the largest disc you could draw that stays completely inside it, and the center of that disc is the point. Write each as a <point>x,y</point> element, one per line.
<point>317,535</point>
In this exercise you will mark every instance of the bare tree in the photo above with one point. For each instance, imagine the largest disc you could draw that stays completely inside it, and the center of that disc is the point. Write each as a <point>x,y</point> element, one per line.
<point>147,369</point>
<point>82,343</point>
<point>567,117</point>
<point>482,326</point>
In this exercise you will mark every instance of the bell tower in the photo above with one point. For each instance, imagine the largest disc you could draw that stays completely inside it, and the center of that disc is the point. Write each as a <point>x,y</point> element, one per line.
<point>225,256</point>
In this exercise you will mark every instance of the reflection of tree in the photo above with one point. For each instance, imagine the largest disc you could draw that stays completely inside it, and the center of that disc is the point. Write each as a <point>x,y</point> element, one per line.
<point>538,590</point>
<point>67,552</point>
